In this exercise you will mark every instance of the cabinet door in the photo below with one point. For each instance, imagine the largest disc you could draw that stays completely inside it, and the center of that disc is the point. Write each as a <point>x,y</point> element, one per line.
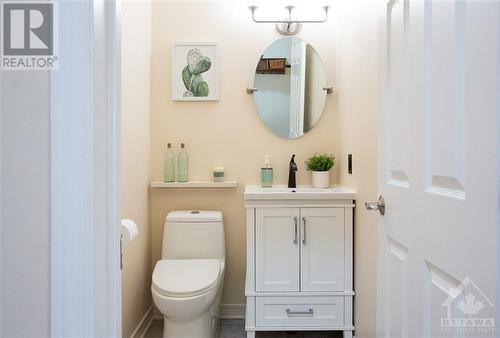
<point>322,245</point>
<point>277,249</point>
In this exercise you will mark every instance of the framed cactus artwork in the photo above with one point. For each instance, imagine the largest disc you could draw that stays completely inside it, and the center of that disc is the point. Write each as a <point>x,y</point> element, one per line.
<point>195,72</point>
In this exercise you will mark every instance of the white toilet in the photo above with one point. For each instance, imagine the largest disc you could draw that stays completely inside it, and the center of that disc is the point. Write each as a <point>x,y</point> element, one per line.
<point>187,281</point>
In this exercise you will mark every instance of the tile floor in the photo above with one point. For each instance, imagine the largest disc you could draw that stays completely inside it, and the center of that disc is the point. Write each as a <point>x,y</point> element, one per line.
<point>235,328</point>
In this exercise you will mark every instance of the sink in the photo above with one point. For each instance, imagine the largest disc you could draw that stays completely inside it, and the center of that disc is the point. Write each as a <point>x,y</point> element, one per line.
<point>255,192</point>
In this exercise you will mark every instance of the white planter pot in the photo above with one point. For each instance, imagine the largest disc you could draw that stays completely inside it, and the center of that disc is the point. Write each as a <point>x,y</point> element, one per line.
<point>321,179</point>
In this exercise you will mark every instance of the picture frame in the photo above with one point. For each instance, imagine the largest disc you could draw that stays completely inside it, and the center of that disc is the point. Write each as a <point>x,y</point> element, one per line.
<point>195,72</point>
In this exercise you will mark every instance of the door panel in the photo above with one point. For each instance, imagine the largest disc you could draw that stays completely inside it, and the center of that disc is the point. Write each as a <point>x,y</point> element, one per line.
<point>398,137</point>
<point>322,246</point>
<point>438,237</point>
<point>396,274</point>
<point>277,250</point>
<point>444,127</point>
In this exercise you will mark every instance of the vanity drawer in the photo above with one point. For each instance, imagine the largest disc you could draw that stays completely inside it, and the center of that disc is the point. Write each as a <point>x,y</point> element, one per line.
<point>315,311</point>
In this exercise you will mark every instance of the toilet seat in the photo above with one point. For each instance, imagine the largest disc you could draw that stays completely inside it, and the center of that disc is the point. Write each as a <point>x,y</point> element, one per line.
<point>185,277</point>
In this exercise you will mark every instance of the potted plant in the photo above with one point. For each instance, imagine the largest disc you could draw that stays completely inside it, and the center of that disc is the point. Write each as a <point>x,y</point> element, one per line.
<point>320,165</point>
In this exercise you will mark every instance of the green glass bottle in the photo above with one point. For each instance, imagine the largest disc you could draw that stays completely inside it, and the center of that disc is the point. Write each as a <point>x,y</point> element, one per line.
<point>169,165</point>
<point>182,165</point>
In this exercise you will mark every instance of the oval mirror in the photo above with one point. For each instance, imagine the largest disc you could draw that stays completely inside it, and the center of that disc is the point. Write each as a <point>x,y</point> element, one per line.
<point>290,81</point>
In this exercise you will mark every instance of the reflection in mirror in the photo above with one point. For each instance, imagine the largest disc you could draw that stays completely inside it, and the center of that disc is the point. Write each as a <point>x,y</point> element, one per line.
<point>290,78</point>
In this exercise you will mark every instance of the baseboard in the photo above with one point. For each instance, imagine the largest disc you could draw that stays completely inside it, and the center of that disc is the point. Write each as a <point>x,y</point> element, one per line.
<point>226,311</point>
<point>232,311</point>
<point>144,324</point>
<point>156,313</point>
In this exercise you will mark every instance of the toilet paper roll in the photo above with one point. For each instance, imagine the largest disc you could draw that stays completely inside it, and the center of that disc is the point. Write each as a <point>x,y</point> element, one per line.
<point>129,230</point>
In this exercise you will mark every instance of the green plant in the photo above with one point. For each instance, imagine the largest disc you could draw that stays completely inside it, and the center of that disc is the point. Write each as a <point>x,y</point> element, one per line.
<point>320,162</point>
<point>191,74</point>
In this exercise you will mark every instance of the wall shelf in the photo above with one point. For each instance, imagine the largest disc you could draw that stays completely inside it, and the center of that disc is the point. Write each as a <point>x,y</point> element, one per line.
<point>195,184</point>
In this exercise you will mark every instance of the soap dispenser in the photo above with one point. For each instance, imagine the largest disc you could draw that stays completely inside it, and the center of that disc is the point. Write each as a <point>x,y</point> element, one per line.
<point>266,173</point>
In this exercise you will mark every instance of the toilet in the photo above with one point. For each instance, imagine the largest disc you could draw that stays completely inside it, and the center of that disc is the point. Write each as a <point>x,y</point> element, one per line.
<point>187,281</point>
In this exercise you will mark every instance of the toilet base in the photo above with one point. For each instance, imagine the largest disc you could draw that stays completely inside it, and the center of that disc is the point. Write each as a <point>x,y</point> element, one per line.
<point>202,327</point>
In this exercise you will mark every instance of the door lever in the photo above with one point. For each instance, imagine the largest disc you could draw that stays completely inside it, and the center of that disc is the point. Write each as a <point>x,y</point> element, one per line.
<point>377,205</point>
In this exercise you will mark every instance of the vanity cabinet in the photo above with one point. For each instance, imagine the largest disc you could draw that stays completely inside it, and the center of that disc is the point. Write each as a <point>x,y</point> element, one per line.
<point>299,261</point>
<point>299,249</point>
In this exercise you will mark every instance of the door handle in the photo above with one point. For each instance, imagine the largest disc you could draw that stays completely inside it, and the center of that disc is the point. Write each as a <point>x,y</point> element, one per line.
<point>305,232</point>
<point>295,220</point>
<point>377,205</point>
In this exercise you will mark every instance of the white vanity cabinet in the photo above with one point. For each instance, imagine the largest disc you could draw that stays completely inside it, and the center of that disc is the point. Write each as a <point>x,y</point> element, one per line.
<point>299,259</point>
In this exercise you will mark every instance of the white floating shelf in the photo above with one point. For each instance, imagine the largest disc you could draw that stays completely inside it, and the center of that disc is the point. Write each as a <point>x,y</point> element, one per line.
<point>195,184</point>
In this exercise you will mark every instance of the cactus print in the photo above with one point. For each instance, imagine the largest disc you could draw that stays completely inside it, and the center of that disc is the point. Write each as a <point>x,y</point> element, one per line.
<point>191,74</point>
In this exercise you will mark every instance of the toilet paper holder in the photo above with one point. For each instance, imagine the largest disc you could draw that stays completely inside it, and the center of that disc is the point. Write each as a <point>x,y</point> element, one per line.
<point>128,232</point>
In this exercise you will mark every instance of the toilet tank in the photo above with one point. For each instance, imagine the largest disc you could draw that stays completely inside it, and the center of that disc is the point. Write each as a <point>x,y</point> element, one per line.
<point>191,234</point>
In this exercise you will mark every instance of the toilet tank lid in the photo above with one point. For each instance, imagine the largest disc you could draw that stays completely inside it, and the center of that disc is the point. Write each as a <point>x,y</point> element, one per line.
<point>194,216</point>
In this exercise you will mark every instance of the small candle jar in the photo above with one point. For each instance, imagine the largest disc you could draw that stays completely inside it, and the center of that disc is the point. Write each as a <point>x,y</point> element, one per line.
<point>218,174</point>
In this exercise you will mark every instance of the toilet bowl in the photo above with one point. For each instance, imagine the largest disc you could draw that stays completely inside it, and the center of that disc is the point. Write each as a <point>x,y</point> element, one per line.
<point>187,281</point>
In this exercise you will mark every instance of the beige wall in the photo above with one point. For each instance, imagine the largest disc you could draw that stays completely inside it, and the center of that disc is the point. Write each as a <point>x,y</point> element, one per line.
<point>227,132</point>
<point>135,157</point>
<point>358,106</point>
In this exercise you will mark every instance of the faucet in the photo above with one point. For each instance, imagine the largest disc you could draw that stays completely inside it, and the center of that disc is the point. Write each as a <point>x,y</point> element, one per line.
<point>292,182</point>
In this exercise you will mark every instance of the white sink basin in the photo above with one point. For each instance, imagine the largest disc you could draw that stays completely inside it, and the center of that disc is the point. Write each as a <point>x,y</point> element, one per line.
<point>255,192</point>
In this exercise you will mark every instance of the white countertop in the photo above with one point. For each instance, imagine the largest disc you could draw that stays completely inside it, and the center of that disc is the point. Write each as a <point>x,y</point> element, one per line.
<point>277,192</point>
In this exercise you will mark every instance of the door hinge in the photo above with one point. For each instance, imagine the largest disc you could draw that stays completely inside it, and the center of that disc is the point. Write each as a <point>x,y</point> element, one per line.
<point>121,252</point>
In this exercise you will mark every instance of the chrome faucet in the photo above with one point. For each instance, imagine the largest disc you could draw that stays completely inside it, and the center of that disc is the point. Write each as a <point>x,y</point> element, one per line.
<point>292,181</point>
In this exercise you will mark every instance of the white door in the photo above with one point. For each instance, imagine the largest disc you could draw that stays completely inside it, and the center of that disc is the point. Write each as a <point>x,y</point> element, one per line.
<point>437,168</point>
<point>277,249</point>
<point>322,246</point>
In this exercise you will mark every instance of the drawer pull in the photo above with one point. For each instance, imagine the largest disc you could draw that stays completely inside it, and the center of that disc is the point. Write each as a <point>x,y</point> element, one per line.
<point>309,312</point>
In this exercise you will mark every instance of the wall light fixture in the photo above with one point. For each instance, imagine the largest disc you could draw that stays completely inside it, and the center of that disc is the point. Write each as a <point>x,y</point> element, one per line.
<point>289,26</point>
